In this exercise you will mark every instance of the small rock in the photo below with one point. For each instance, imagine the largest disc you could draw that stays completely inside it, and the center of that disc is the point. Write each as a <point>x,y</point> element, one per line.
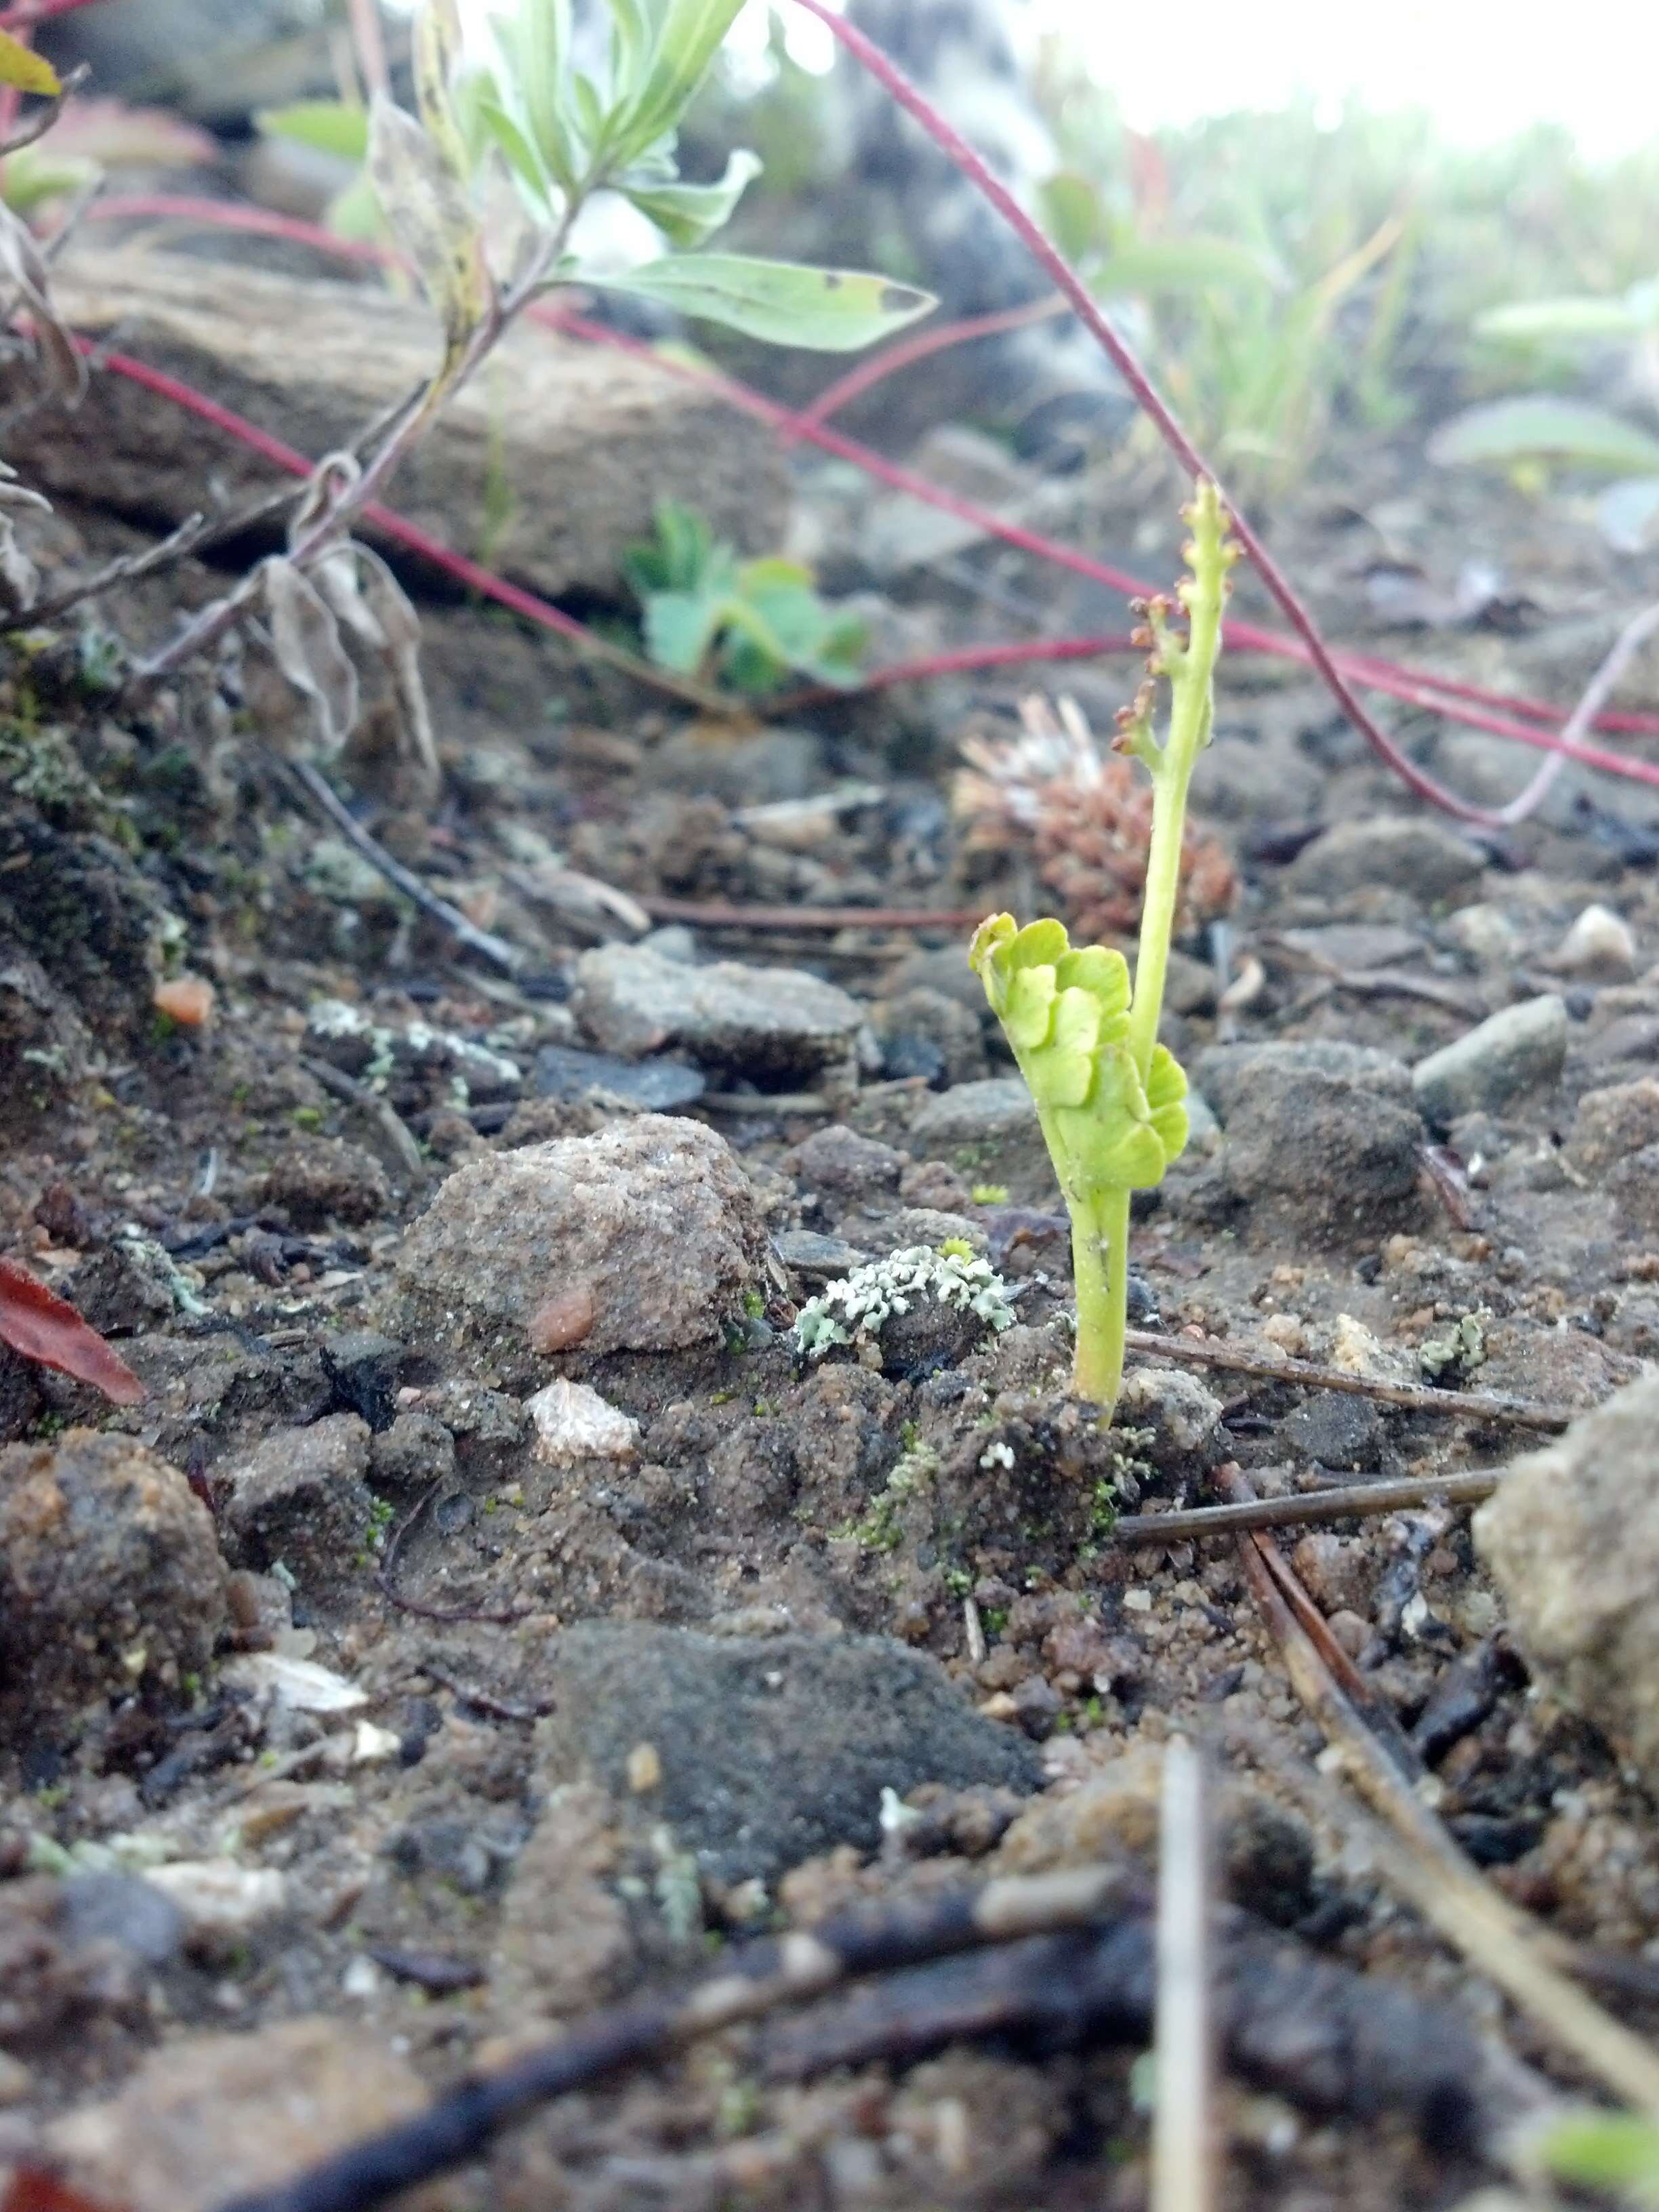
<point>840,1163</point>
<point>976,1113</point>
<point>1516,1051</point>
<point>773,1749</point>
<point>1599,944</point>
<point>124,1910</point>
<point>219,1900</point>
<point>1634,1186</point>
<point>1571,1537</point>
<point>301,1497</point>
<point>1612,1123</point>
<point>820,1259</point>
<point>1486,934</point>
<point>951,1033</point>
<point>416,1451</point>
<point>565,1942</point>
<point>57,1973</point>
<point>111,1579</point>
<point>1337,1430</point>
<point>651,1086</point>
<point>319,1179</point>
<point>761,769</point>
<point>573,1422</point>
<point>1181,1420</point>
<point>1339,1572</point>
<point>778,1026</point>
<point>1359,944</point>
<point>653,1214</point>
<point>126,1288</point>
<point>1323,1135</point>
<point>363,1366</point>
<point>1268,1857</point>
<point>1393,852</point>
<point>213,2117</point>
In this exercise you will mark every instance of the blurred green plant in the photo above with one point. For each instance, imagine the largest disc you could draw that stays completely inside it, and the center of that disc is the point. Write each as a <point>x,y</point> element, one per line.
<point>563,138</point>
<point>1525,434</point>
<point>1614,2153</point>
<point>706,613</point>
<point>1293,276</point>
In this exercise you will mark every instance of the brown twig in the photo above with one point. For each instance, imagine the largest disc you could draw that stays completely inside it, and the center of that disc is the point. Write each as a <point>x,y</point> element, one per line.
<point>380,1111</point>
<point>758,1980</point>
<point>124,569</point>
<point>496,949</point>
<point>501,1709</point>
<point>445,1615</point>
<point>1314,1505</point>
<point>1420,1855</point>
<point>719,913</point>
<point>1303,1374</point>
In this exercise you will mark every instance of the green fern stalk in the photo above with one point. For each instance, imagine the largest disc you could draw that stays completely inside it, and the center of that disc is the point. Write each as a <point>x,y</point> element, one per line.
<point>1109,1096</point>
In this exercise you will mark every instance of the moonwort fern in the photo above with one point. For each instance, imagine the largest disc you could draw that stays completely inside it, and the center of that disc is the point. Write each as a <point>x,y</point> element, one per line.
<point>1109,1098</point>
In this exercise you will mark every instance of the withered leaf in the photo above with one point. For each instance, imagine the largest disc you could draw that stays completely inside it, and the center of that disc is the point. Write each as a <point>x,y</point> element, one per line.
<point>426,203</point>
<point>304,637</point>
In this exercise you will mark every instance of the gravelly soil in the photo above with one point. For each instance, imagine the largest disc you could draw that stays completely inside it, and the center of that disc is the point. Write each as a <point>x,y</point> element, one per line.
<point>512,1822</point>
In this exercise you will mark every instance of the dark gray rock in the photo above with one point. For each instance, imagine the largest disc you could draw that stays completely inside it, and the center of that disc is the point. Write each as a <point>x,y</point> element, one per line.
<point>126,1287</point>
<point>842,1164</point>
<point>655,1086</point>
<point>821,1258</point>
<point>776,1026</point>
<point>1344,1434</point>
<point>1323,1136</point>
<point>301,1497</point>
<point>770,1750</point>
<point>1400,852</point>
<point>120,1908</point>
<point>364,1366</point>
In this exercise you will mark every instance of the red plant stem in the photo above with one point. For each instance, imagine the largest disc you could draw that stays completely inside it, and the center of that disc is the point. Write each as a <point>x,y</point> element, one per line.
<point>1053,264</point>
<point>1417,687</point>
<point>904,353</point>
<point>37,11</point>
<point>543,612</point>
<point>390,524</point>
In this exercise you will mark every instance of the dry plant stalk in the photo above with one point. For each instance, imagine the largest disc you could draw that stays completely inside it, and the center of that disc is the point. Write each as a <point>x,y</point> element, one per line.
<point>1085,817</point>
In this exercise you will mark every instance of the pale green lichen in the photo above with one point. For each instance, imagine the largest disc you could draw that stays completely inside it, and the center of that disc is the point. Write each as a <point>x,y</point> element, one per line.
<point>857,1307</point>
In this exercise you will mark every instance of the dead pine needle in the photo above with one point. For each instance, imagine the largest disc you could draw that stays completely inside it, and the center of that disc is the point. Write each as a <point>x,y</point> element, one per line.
<point>1418,1857</point>
<point>1410,1397</point>
<point>1184,2149</point>
<point>1355,1501</point>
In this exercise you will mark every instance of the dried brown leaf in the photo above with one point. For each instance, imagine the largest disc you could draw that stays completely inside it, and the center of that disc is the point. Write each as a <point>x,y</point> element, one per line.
<point>26,283</point>
<point>426,202</point>
<point>304,637</point>
<point>372,605</point>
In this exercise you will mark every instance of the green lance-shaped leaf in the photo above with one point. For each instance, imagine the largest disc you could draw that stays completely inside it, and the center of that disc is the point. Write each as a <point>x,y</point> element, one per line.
<point>329,126</point>
<point>1508,430</point>
<point>689,215</point>
<point>1066,1013</point>
<point>828,310</point>
<point>689,36</point>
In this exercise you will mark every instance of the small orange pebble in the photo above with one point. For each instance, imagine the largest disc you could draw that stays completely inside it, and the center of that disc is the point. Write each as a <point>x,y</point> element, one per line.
<point>186,999</point>
<point>562,1320</point>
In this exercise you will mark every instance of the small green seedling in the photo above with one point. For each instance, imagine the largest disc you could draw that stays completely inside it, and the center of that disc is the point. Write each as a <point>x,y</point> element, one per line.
<point>1109,1098</point>
<point>708,612</point>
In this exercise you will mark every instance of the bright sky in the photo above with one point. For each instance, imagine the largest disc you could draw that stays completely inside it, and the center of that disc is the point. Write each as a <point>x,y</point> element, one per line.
<point>1484,69</point>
